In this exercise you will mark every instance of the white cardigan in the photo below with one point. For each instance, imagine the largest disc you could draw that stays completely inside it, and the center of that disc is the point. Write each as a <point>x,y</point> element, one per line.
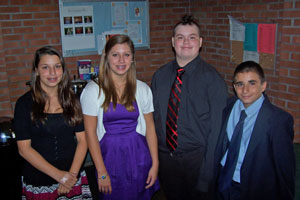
<point>91,105</point>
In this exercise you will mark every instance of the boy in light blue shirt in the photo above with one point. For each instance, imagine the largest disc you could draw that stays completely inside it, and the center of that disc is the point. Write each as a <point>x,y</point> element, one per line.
<point>254,156</point>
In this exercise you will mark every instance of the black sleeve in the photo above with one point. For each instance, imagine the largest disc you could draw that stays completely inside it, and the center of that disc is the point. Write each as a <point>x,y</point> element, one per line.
<point>79,127</point>
<point>22,121</point>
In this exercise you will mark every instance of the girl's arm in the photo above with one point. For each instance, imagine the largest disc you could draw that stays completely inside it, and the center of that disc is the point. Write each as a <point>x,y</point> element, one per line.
<point>37,161</point>
<point>80,153</point>
<point>152,144</point>
<point>90,124</point>
<point>78,159</point>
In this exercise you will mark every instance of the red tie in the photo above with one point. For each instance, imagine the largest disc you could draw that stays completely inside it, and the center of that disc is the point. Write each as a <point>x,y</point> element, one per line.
<point>172,114</point>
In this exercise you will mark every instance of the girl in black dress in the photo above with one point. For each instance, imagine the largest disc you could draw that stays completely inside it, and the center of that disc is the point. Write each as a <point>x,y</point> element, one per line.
<point>50,133</point>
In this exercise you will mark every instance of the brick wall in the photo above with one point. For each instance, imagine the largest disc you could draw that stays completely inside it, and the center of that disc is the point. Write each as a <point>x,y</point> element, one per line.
<point>29,24</point>
<point>283,80</point>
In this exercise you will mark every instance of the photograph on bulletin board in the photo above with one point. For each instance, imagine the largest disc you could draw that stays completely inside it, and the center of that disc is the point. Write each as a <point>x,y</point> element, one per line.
<point>85,25</point>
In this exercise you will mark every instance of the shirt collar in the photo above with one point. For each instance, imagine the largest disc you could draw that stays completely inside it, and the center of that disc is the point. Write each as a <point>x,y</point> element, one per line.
<point>188,67</point>
<point>254,107</point>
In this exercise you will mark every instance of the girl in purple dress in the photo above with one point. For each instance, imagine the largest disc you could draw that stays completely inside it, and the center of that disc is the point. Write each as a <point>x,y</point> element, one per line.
<point>119,125</point>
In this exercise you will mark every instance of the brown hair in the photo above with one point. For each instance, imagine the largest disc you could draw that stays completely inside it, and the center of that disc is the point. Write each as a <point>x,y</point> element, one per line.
<point>186,20</point>
<point>105,80</point>
<point>69,103</point>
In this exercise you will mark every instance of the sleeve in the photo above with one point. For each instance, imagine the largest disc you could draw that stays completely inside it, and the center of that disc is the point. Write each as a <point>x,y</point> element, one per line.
<point>217,95</point>
<point>284,156</point>
<point>146,98</point>
<point>89,99</point>
<point>79,127</point>
<point>22,122</point>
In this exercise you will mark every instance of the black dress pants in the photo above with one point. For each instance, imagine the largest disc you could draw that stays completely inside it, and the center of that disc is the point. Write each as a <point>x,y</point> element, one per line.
<point>232,193</point>
<point>179,173</point>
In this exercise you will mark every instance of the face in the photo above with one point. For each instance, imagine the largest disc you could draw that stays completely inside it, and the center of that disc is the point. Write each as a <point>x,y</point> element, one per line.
<point>249,87</point>
<point>50,71</point>
<point>120,60</point>
<point>186,42</point>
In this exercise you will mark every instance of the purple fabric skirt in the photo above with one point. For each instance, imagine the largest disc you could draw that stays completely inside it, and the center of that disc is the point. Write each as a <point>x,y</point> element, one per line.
<point>126,156</point>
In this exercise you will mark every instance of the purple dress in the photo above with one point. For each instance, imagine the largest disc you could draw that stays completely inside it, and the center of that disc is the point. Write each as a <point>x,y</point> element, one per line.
<point>126,155</point>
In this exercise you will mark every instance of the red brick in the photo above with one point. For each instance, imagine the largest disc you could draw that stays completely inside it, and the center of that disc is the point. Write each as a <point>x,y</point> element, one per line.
<point>289,80</point>
<point>294,106</point>
<point>23,78</point>
<point>6,31</point>
<point>20,2</point>
<point>269,14</point>
<point>4,2</point>
<point>287,96</point>
<point>43,15</point>
<point>12,38</point>
<point>33,36</point>
<point>31,9</point>
<point>21,16</point>
<point>25,57</point>
<point>42,2</point>
<point>39,42</point>
<point>294,89</point>
<point>9,9</point>
<point>46,28</point>
<point>4,17</point>
<point>23,30</point>
<point>296,73</point>
<point>14,51</point>
<point>5,105</point>
<point>291,31</point>
<point>54,8</point>
<point>296,39</point>
<point>51,21</point>
<point>7,113</point>
<point>279,102</point>
<point>34,22</point>
<point>283,72</point>
<point>291,14</point>
<point>297,22</point>
<point>289,64</point>
<point>11,23</point>
<point>284,55</point>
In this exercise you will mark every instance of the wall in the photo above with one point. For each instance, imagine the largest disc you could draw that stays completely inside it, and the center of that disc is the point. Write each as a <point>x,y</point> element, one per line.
<point>26,25</point>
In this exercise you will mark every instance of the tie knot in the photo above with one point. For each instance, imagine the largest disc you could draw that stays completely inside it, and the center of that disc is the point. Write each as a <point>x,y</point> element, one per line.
<point>243,115</point>
<point>180,71</point>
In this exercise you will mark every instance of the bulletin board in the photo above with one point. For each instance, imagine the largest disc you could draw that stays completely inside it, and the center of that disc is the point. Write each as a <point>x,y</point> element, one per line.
<point>87,25</point>
<point>253,41</point>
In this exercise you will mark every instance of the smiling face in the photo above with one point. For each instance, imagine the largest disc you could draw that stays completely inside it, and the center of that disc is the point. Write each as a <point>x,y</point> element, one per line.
<point>248,87</point>
<point>119,60</point>
<point>187,43</point>
<point>50,71</point>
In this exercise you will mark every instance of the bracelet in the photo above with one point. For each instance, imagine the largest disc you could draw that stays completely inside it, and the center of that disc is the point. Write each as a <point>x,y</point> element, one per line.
<point>102,177</point>
<point>64,179</point>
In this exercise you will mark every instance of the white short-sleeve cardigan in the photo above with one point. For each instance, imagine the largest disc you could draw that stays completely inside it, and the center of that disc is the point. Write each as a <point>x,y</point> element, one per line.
<point>91,105</point>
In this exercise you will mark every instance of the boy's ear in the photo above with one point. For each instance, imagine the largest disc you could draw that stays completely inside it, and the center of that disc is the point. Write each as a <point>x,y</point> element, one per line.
<point>264,86</point>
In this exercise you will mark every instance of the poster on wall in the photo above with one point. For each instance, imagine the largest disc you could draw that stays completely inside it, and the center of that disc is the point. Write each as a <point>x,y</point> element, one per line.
<point>86,25</point>
<point>78,27</point>
<point>252,41</point>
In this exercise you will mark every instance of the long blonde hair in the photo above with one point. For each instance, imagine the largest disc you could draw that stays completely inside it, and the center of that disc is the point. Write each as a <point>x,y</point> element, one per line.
<point>105,80</point>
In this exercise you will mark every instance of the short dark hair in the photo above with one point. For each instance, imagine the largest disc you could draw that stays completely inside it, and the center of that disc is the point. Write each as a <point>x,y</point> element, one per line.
<point>250,66</point>
<point>186,20</point>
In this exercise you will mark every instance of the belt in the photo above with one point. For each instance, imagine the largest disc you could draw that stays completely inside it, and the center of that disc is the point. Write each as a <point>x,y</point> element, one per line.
<point>182,154</point>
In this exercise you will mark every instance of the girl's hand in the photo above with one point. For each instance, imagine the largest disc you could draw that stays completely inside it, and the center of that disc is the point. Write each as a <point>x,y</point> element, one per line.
<point>67,179</point>
<point>104,184</point>
<point>152,176</point>
<point>62,190</point>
